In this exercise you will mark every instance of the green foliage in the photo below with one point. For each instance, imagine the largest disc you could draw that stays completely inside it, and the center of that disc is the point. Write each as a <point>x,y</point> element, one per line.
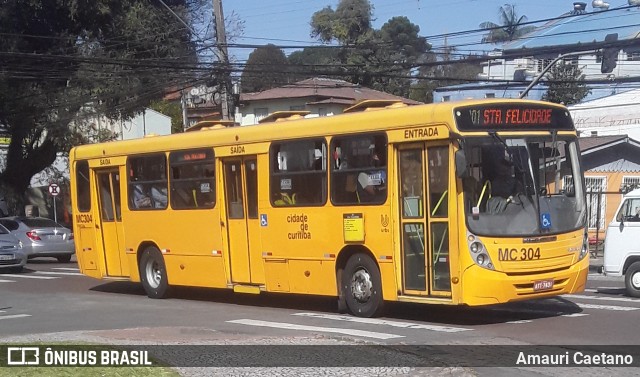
<point>379,59</point>
<point>312,62</point>
<point>566,84</point>
<point>170,109</point>
<point>510,26</point>
<point>350,20</point>
<point>452,72</point>
<point>67,62</point>
<point>266,68</point>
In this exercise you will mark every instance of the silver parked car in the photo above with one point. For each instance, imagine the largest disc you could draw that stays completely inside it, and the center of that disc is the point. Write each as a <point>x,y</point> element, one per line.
<point>41,237</point>
<point>12,257</point>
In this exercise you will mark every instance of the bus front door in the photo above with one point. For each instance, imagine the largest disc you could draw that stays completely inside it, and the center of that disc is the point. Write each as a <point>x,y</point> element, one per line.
<point>111,222</point>
<point>241,193</point>
<point>424,219</point>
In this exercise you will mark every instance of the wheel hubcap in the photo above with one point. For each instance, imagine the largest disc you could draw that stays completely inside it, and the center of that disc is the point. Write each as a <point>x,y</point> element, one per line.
<point>154,274</point>
<point>635,280</point>
<point>361,285</point>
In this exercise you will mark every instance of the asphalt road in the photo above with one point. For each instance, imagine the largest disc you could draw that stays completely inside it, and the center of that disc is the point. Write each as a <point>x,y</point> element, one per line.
<point>52,301</point>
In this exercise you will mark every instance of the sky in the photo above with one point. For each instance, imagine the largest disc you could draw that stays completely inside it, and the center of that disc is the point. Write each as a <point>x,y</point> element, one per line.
<point>286,22</point>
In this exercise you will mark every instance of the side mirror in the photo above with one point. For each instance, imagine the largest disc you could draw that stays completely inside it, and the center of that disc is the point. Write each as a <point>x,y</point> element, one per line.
<point>461,164</point>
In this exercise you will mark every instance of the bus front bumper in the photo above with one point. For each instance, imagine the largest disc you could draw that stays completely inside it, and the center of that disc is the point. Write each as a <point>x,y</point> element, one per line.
<point>484,287</point>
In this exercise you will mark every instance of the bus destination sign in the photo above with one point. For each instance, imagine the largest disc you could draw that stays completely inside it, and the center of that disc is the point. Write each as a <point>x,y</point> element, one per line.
<point>512,117</point>
<point>195,155</point>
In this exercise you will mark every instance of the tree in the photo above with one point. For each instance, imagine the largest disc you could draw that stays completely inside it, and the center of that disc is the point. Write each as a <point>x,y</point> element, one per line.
<point>511,26</point>
<point>170,109</point>
<point>314,61</point>
<point>350,20</point>
<point>381,59</point>
<point>449,72</point>
<point>59,57</point>
<point>566,84</point>
<point>266,68</point>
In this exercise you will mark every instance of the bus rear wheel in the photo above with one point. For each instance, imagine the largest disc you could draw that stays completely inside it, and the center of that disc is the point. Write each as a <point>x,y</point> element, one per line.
<point>632,280</point>
<point>153,273</point>
<point>362,286</point>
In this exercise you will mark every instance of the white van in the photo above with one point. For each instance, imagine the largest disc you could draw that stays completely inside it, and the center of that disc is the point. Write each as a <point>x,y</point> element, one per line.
<point>622,243</point>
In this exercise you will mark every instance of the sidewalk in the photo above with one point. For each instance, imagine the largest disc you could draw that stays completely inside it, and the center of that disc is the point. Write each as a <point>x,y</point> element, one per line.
<point>595,264</point>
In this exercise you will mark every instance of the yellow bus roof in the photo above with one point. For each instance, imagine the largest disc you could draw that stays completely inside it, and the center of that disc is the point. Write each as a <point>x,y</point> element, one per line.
<point>363,121</point>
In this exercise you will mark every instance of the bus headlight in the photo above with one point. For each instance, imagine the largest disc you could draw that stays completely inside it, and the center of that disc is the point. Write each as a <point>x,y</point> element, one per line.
<point>475,247</point>
<point>479,252</point>
<point>585,246</point>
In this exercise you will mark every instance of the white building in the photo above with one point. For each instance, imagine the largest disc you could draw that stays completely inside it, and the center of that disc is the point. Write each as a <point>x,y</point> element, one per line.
<point>319,96</point>
<point>581,30</point>
<point>617,114</point>
<point>145,123</point>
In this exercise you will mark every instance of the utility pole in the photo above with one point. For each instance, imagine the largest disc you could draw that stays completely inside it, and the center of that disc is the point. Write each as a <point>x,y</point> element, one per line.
<point>223,56</point>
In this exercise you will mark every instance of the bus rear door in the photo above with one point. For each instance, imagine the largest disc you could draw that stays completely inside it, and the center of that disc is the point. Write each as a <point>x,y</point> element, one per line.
<point>112,231</point>
<point>241,193</point>
<point>424,219</point>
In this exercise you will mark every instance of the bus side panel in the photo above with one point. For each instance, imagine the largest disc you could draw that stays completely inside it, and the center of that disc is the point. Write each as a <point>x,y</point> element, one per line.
<point>190,241</point>
<point>303,244</point>
<point>86,253</point>
<point>84,226</point>
<point>312,277</point>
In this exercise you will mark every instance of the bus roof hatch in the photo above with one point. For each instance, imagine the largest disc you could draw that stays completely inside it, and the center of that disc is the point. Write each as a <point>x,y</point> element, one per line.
<point>375,104</point>
<point>280,116</point>
<point>211,125</point>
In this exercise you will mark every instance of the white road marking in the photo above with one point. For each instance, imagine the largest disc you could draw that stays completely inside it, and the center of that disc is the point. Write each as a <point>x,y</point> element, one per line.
<point>293,326</point>
<point>575,315</point>
<point>383,322</point>
<point>603,298</point>
<point>7,281</point>
<point>520,321</point>
<point>66,268</point>
<point>607,307</point>
<point>30,276</point>
<point>59,273</point>
<point>14,316</point>
<point>591,290</point>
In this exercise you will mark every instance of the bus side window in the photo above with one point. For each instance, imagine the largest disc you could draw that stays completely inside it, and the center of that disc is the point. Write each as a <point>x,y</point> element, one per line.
<point>146,175</point>
<point>298,173</point>
<point>359,169</point>
<point>192,179</point>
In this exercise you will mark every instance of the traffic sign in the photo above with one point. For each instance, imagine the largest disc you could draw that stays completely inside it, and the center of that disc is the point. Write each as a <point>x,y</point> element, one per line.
<point>54,189</point>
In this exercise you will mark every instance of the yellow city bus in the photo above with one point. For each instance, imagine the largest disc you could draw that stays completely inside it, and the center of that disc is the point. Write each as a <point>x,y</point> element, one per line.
<point>476,202</point>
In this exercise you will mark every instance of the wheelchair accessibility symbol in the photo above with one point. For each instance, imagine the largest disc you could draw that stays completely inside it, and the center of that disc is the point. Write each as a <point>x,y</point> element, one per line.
<point>263,219</point>
<point>545,220</point>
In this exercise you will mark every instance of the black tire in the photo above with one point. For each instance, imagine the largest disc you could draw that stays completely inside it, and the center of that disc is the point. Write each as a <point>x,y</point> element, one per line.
<point>16,269</point>
<point>632,280</point>
<point>64,258</point>
<point>153,273</point>
<point>362,286</point>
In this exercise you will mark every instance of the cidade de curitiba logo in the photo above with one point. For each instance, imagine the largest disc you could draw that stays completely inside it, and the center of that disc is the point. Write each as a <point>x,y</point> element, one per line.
<point>80,356</point>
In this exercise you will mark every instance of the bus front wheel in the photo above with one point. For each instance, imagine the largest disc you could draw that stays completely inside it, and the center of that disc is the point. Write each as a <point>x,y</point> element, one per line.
<point>632,280</point>
<point>153,273</point>
<point>362,286</point>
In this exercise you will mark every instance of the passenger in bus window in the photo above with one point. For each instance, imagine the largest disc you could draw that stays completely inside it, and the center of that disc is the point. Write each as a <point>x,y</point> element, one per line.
<point>636,217</point>
<point>372,183</point>
<point>140,198</point>
<point>159,196</point>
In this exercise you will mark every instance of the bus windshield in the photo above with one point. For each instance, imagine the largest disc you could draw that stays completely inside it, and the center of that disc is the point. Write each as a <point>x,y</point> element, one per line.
<point>523,186</point>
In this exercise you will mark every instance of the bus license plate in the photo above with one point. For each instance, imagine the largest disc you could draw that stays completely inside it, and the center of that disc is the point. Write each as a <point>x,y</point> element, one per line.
<point>543,285</point>
<point>7,257</point>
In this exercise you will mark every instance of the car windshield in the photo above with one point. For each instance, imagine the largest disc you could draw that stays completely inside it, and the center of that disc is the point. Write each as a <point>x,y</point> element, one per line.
<point>41,223</point>
<point>3,230</point>
<point>523,186</point>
